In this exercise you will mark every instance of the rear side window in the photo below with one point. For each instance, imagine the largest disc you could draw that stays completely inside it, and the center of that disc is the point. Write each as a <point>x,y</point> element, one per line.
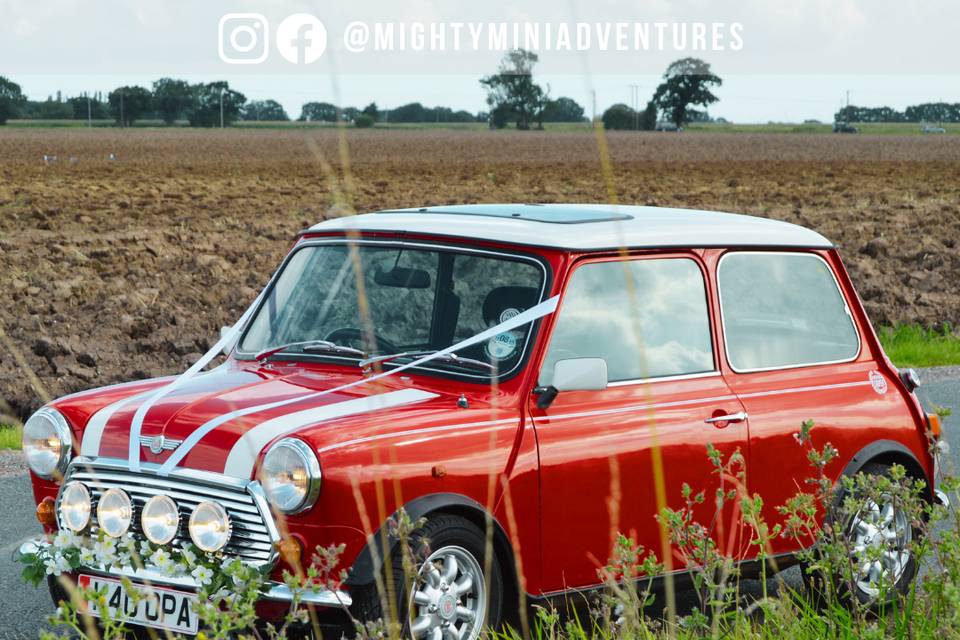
<point>783,310</point>
<point>646,318</point>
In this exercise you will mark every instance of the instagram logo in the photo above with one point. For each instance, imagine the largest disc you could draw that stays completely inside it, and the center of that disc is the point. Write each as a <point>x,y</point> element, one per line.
<point>244,38</point>
<point>301,38</point>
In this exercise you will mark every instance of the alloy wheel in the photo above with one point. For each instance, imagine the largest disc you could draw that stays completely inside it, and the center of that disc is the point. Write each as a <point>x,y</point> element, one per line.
<point>880,535</point>
<point>449,600</point>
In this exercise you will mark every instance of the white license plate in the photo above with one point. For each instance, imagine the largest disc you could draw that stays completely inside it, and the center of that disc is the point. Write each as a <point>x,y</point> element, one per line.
<point>161,608</point>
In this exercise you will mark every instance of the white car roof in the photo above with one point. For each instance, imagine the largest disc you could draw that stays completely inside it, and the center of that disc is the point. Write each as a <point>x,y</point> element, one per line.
<point>584,227</point>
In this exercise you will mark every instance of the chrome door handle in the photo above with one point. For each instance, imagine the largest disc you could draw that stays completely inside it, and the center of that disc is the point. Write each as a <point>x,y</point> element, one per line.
<point>733,417</point>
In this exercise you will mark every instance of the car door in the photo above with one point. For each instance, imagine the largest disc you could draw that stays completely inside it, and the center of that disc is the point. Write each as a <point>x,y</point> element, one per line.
<point>793,353</point>
<point>606,455</point>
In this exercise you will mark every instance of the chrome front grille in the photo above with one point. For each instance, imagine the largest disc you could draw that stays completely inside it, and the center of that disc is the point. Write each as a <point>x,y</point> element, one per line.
<point>254,534</point>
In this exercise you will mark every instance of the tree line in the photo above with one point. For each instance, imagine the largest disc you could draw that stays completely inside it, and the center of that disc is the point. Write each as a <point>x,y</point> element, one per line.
<point>202,105</point>
<point>927,112</point>
<point>514,96</point>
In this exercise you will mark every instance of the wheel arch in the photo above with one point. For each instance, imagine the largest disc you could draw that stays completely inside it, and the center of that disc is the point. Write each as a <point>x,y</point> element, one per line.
<point>890,452</point>
<point>370,559</point>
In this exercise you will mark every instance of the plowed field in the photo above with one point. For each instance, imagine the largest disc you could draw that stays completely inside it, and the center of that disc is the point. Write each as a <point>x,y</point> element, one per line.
<point>122,257</point>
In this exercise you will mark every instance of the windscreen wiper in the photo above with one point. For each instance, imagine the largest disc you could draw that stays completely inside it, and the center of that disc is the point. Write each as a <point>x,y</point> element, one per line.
<point>310,346</point>
<point>451,358</point>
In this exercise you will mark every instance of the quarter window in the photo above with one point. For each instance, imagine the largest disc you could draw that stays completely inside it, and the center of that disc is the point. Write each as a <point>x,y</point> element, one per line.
<point>646,318</point>
<point>783,310</point>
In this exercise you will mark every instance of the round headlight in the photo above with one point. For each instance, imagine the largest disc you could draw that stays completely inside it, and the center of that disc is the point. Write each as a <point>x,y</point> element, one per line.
<point>291,476</point>
<point>47,443</point>
<point>75,507</point>
<point>114,512</point>
<point>210,526</point>
<point>160,519</point>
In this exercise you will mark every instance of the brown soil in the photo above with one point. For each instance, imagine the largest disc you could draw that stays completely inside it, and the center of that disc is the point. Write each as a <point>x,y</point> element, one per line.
<point>114,269</point>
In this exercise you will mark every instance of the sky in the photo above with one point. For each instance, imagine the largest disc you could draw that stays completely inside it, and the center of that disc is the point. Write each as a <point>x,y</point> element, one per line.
<point>780,61</point>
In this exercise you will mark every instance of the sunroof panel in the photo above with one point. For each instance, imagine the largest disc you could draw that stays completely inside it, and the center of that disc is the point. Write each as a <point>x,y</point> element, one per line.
<point>553,214</point>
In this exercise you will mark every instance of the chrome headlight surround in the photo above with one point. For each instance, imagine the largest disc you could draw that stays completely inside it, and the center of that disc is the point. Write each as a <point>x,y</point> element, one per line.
<point>47,443</point>
<point>291,477</point>
<point>114,512</point>
<point>210,527</point>
<point>160,519</point>
<point>75,507</point>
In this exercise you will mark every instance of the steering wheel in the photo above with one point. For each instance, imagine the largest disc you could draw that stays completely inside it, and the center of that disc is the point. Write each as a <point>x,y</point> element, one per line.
<point>353,337</point>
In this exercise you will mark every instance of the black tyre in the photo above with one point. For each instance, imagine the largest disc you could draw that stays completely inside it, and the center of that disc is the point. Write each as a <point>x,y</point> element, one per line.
<point>450,593</point>
<point>876,528</point>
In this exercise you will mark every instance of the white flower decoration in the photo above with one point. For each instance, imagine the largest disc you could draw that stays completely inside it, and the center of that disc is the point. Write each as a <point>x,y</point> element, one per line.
<point>52,567</point>
<point>63,564</point>
<point>87,556</point>
<point>202,574</point>
<point>188,556</point>
<point>160,558</point>
<point>66,539</point>
<point>106,551</point>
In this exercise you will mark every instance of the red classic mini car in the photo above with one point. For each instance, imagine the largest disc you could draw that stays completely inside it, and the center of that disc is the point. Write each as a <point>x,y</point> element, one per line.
<point>497,366</point>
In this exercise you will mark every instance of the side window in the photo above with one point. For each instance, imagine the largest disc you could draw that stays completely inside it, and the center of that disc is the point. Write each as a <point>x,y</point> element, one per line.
<point>783,310</point>
<point>646,318</point>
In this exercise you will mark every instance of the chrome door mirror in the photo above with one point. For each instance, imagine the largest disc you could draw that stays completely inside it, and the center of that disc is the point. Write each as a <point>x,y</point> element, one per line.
<point>580,374</point>
<point>574,374</point>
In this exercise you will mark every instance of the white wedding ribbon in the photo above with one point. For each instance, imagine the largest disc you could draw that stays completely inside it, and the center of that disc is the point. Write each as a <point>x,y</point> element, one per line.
<point>534,313</point>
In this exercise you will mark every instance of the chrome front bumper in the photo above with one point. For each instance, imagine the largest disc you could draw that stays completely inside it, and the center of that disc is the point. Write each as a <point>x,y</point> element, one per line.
<point>276,591</point>
<point>941,498</point>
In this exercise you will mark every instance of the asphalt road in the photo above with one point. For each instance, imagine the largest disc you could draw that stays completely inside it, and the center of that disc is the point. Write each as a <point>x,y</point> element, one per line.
<point>24,608</point>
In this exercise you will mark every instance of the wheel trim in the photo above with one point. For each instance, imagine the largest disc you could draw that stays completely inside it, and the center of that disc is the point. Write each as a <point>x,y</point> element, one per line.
<point>879,530</point>
<point>448,600</point>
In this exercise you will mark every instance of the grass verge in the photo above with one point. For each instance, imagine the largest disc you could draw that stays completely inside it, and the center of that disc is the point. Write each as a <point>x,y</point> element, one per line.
<point>9,437</point>
<point>915,346</point>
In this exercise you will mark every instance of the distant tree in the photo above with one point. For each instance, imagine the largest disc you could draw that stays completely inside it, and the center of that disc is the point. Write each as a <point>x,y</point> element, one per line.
<point>686,83</point>
<point>129,104</point>
<point>511,92</point>
<point>933,112</point>
<point>462,116</point>
<point>499,117</point>
<point>412,112</point>
<point>268,110</point>
<point>172,98</point>
<point>81,107</point>
<point>648,117</point>
<point>562,110</point>
<point>364,121</point>
<point>11,99</point>
<point>52,109</point>
<point>619,116</point>
<point>371,110</point>
<point>318,112</point>
<point>208,98</point>
<point>349,114</point>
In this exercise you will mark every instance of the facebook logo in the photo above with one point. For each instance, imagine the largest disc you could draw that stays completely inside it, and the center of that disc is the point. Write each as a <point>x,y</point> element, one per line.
<point>301,38</point>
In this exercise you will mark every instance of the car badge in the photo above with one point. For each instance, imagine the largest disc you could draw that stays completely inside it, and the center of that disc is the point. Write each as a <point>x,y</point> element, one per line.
<point>158,444</point>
